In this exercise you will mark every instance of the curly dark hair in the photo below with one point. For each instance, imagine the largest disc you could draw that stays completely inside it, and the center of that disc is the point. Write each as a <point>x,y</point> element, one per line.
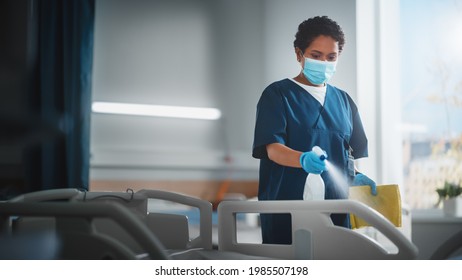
<point>311,28</point>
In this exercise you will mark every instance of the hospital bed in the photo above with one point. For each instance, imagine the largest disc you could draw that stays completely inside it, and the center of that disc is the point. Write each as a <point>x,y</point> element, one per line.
<point>72,235</point>
<point>170,229</point>
<point>174,239</point>
<point>158,222</point>
<point>314,235</point>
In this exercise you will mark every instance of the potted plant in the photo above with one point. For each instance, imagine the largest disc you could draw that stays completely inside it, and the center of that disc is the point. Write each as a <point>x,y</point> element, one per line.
<point>451,197</point>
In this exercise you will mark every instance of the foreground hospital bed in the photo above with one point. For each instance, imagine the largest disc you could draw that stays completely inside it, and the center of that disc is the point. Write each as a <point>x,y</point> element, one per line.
<point>170,229</point>
<point>26,232</point>
<point>314,235</point>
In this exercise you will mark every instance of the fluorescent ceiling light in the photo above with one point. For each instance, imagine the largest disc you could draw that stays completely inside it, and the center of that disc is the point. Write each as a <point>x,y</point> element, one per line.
<point>156,110</point>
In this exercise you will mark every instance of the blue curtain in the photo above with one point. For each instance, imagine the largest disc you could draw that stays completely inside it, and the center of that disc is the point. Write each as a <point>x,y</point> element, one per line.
<point>61,94</point>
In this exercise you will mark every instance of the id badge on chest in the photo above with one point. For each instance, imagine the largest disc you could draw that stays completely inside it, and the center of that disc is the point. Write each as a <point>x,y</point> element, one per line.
<point>351,164</point>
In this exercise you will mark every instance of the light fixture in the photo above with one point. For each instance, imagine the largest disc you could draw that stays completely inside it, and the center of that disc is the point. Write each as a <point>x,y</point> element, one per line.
<point>156,110</point>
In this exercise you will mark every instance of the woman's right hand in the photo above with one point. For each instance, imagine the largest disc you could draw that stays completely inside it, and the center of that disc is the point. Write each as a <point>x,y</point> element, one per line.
<point>312,163</point>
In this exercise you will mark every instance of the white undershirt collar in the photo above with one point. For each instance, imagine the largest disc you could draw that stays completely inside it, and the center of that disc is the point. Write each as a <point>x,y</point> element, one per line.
<point>319,93</point>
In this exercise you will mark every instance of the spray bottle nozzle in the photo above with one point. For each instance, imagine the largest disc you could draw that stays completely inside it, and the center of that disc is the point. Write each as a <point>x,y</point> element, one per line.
<point>320,152</point>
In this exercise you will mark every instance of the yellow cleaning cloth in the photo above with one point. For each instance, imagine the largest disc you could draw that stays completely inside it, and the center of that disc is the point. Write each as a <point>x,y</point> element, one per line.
<point>387,202</point>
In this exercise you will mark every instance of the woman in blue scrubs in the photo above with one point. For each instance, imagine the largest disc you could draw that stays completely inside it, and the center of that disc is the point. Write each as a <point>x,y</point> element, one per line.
<point>295,114</point>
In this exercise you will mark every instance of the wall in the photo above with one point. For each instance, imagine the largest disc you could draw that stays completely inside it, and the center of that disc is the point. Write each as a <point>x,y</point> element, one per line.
<point>378,99</point>
<point>281,22</point>
<point>195,53</point>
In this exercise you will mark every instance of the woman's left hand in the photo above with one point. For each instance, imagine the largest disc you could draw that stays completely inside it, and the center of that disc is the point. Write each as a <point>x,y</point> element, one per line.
<point>362,180</point>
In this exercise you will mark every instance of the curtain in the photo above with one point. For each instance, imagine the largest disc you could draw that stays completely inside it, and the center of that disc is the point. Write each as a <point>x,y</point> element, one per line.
<point>61,93</point>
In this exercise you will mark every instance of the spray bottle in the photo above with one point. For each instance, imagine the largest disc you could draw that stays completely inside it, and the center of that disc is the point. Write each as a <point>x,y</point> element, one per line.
<point>314,184</point>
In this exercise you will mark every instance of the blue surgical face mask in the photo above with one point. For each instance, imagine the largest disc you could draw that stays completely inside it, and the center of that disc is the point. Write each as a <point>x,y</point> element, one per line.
<point>318,72</point>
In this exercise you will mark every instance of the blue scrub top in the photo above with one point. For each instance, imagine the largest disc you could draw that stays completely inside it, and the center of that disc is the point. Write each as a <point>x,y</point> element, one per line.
<point>288,114</point>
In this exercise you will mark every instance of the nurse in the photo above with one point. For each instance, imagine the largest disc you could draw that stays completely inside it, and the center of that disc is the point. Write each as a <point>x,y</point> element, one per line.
<point>295,114</point>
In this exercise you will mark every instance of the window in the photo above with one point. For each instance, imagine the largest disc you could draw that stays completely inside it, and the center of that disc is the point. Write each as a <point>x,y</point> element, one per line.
<point>431,96</point>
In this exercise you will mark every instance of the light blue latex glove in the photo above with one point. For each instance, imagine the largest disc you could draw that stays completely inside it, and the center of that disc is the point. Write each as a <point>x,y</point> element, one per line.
<point>362,180</point>
<point>313,163</point>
